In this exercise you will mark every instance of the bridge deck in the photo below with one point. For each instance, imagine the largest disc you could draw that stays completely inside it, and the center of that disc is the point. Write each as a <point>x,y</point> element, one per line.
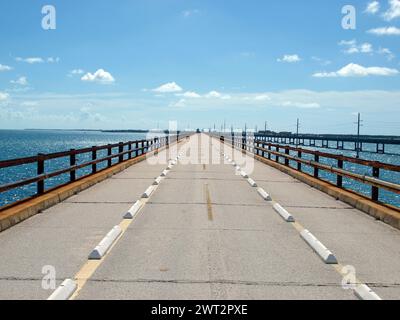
<point>205,233</point>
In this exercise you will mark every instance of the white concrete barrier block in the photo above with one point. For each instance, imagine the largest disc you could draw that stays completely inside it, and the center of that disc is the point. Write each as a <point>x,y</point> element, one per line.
<point>233,163</point>
<point>363,292</point>
<point>105,244</point>
<point>283,213</point>
<point>148,192</point>
<point>169,167</point>
<point>244,174</point>
<point>133,211</point>
<point>164,173</point>
<point>64,291</point>
<point>264,194</point>
<point>157,181</point>
<point>252,182</point>
<point>326,255</point>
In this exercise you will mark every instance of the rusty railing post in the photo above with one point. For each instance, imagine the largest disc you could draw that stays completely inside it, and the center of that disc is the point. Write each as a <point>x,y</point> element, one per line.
<point>120,150</point>
<point>72,162</point>
<point>375,190</point>
<point>339,179</point>
<point>94,157</point>
<point>316,170</point>
<point>40,170</point>
<point>299,155</point>
<point>286,159</point>
<point>109,153</point>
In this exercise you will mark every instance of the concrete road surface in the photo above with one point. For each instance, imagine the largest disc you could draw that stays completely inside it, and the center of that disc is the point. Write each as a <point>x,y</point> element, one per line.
<point>205,233</point>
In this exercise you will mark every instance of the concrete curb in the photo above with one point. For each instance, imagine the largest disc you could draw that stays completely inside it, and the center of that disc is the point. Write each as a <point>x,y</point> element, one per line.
<point>105,244</point>
<point>164,173</point>
<point>326,255</point>
<point>283,213</point>
<point>148,192</point>
<point>252,183</point>
<point>64,291</point>
<point>157,181</point>
<point>363,292</point>
<point>264,194</point>
<point>133,211</point>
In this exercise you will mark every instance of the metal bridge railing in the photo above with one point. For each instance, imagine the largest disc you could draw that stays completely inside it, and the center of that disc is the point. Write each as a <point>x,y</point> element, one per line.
<point>281,154</point>
<point>115,154</point>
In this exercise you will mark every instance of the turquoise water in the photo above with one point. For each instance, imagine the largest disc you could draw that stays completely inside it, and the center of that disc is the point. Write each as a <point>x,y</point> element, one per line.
<point>25,143</point>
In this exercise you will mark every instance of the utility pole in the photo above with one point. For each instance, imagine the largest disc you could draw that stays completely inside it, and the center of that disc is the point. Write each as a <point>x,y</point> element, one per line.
<point>265,127</point>
<point>245,128</point>
<point>358,143</point>
<point>297,131</point>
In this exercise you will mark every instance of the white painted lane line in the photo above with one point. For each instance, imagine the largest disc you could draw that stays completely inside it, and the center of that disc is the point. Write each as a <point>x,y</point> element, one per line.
<point>264,194</point>
<point>105,244</point>
<point>157,181</point>
<point>252,182</point>
<point>363,292</point>
<point>148,192</point>
<point>134,210</point>
<point>64,291</point>
<point>326,255</point>
<point>283,213</point>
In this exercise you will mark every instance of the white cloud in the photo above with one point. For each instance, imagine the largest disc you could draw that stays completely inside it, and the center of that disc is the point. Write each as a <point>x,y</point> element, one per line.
<point>262,97</point>
<point>373,7</point>
<point>321,61</point>
<point>4,96</point>
<point>22,81</point>
<point>387,52</point>
<point>394,10</point>
<point>53,60</point>
<point>217,95</point>
<point>385,31</point>
<point>301,105</point>
<point>29,103</point>
<point>355,70</point>
<point>77,71</point>
<point>290,58</point>
<point>100,76</point>
<point>31,60</point>
<point>189,13</point>
<point>189,94</point>
<point>5,68</point>
<point>169,87</point>
<point>352,47</point>
<point>180,104</point>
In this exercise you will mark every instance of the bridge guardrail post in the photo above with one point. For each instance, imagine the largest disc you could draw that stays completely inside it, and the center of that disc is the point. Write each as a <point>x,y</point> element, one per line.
<point>72,162</point>
<point>269,153</point>
<point>299,155</point>
<point>277,157</point>
<point>40,170</point>
<point>339,180</point>
<point>375,190</point>
<point>130,150</point>
<point>109,153</point>
<point>316,170</point>
<point>120,150</point>
<point>94,157</point>
<point>286,159</point>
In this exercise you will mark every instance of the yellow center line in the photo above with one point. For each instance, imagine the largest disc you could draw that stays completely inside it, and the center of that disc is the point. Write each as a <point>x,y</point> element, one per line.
<point>90,267</point>
<point>209,206</point>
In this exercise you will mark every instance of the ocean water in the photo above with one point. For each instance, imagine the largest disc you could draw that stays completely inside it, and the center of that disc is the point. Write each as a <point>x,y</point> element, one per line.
<point>25,143</point>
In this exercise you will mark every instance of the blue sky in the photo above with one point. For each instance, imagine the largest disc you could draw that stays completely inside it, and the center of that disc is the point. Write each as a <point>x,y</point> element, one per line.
<point>136,64</point>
